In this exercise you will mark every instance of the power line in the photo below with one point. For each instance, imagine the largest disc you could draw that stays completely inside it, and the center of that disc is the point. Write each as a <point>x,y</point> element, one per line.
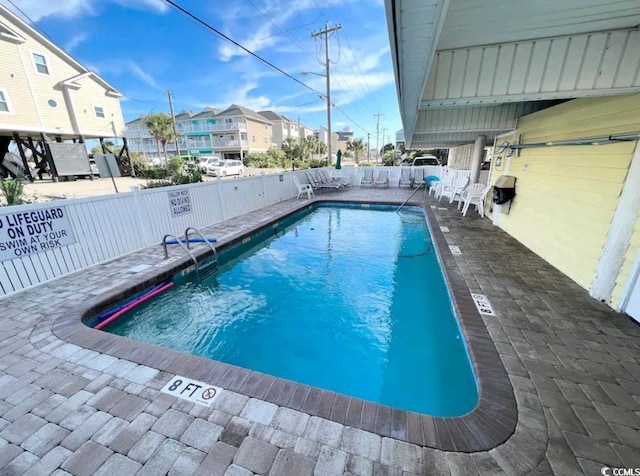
<point>232,41</point>
<point>33,24</point>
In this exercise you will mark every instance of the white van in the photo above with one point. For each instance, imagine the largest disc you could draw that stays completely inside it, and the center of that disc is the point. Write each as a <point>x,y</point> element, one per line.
<point>208,160</point>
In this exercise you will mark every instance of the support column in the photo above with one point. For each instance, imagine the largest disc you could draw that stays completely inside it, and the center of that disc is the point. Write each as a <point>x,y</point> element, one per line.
<point>476,160</point>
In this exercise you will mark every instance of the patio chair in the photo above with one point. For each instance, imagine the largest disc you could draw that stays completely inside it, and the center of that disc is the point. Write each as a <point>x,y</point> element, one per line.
<point>455,188</point>
<point>476,199</point>
<point>473,189</point>
<point>418,177</point>
<point>318,185</point>
<point>367,178</point>
<point>306,188</point>
<point>447,179</point>
<point>383,179</point>
<point>325,180</point>
<point>405,178</point>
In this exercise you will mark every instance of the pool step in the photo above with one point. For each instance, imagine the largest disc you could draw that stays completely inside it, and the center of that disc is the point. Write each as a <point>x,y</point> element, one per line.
<point>207,268</point>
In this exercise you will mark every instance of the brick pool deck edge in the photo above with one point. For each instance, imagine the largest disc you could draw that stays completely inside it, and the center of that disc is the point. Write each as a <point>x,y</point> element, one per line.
<point>558,378</point>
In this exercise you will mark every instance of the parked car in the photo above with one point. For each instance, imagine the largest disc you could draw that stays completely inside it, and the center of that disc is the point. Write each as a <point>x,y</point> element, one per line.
<point>94,168</point>
<point>226,167</point>
<point>425,160</point>
<point>207,161</point>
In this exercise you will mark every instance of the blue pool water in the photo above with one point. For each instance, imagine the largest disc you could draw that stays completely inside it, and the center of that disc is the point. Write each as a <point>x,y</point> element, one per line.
<point>345,299</point>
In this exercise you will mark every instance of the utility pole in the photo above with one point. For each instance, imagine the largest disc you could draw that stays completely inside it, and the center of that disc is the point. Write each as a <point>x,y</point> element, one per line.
<point>378,135</point>
<point>173,121</point>
<point>384,130</point>
<point>368,147</point>
<point>326,32</point>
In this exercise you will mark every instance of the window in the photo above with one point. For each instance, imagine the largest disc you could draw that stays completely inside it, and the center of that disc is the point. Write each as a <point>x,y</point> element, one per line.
<point>253,138</point>
<point>41,63</point>
<point>243,136</point>
<point>99,111</point>
<point>4,102</point>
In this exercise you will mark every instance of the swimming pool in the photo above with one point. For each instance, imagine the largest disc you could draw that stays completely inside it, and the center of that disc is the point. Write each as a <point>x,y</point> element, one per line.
<point>343,298</point>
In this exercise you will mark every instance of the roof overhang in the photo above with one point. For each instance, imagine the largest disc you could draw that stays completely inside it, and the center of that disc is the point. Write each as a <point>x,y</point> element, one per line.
<point>74,83</point>
<point>457,55</point>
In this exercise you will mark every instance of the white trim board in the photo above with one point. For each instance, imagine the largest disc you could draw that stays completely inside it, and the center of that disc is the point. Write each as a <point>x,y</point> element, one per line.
<point>619,235</point>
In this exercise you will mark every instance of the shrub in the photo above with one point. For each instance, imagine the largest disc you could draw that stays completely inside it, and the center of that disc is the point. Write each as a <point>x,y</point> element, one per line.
<point>193,176</point>
<point>154,173</point>
<point>157,184</point>
<point>317,163</point>
<point>12,191</point>
<point>175,165</point>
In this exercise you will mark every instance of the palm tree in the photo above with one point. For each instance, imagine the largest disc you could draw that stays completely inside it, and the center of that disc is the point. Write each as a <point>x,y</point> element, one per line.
<point>357,147</point>
<point>321,147</point>
<point>308,145</point>
<point>160,126</point>
<point>291,148</point>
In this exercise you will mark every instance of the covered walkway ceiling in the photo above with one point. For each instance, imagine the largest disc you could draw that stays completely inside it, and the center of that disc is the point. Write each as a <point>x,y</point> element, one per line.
<point>469,67</point>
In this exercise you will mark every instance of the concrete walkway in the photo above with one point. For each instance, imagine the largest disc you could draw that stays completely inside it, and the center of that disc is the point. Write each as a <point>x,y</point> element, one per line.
<point>574,365</point>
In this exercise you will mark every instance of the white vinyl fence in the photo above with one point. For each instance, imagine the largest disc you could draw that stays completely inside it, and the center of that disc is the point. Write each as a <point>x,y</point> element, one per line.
<point>42,241</point>
<point>356,173</point>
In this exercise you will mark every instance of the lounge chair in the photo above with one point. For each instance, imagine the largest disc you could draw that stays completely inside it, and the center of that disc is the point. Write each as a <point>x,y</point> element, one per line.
<point>383,179</point>
<point>367,178</point>
<point>455,188</point>
<point>318,185</point>
<point>476,198</point>
<point>326,178</point>
<point>418,177</point>
<point>405,178</point>
<point>303,188</point>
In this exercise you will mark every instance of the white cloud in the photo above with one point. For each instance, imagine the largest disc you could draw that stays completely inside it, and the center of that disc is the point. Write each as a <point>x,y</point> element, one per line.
<point>38,9</point>
<point>75,41</point>
<point>143,76</point>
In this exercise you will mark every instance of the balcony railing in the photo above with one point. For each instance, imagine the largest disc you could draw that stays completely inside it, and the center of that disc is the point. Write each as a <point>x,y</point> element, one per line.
<point>222,126</point>
<point>228,144</point>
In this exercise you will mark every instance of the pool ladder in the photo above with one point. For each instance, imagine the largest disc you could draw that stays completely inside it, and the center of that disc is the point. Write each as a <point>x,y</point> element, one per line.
<point>204,268</point>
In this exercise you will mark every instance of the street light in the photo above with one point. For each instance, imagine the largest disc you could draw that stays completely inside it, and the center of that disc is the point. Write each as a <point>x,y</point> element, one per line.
<point>305,73</point>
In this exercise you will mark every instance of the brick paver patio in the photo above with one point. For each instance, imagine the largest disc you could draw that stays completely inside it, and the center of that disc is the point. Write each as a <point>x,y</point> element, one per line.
<point>573,363</point>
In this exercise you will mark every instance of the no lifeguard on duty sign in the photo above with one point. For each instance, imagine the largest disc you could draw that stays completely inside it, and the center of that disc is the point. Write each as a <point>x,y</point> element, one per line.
<point>191,390</point>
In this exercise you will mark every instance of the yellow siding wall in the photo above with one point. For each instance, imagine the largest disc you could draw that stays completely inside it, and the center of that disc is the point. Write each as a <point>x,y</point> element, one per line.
<point>44,86</point>
<point>625,270</point>
<point>567,196</point>
<point>90,94</point>
<point>13,80</point>
<point>18,71</point>
<point>261,132</point>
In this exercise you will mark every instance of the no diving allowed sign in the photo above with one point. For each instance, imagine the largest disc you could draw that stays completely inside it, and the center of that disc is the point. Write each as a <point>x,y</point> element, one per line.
<point>191,390</point>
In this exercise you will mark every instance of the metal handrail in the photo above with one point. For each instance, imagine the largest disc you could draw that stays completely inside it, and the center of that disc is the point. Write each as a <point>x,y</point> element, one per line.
<point>412,194</point>
<point>166,253</point>
<point>195,230</point>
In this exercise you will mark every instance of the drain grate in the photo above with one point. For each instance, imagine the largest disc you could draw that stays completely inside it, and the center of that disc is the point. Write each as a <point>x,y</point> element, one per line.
<point>483,304</point>
<point>455,250</point>
<point>444,229</point>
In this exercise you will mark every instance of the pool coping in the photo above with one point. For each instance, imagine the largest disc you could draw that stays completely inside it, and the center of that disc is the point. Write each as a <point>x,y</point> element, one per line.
<point>488,425</point>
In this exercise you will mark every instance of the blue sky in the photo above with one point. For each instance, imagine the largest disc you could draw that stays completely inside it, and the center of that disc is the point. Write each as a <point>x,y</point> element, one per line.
<point>143,47</point>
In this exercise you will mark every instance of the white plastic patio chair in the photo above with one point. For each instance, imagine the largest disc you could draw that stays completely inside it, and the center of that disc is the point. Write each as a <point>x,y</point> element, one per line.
<point>367,178</point>
<point>448,176</point>
<point>383,179</point>
<point>405,178</point>
<point>476,199</point>
<point>456,188</point>
<point>473,189</point>
<point>303,188</point>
